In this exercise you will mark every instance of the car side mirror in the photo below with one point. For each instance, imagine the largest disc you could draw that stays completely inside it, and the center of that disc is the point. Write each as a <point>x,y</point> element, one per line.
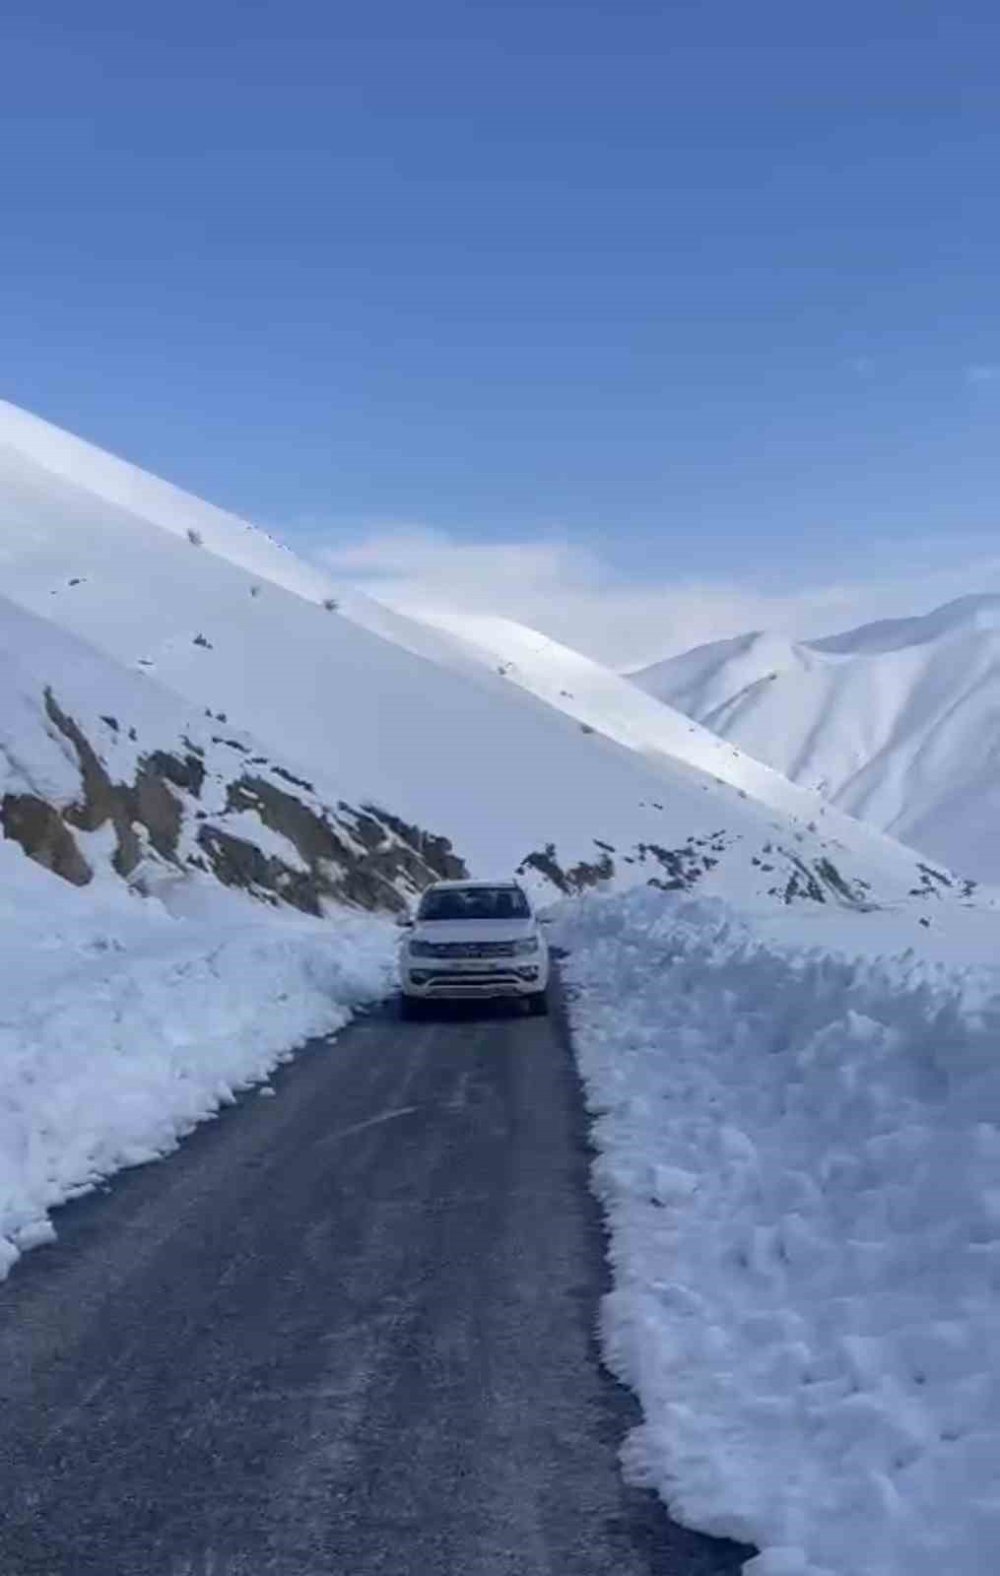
<point>404,922</point>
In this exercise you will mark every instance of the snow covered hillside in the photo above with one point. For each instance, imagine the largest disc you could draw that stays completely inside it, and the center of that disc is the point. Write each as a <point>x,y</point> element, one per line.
<point>799,1159</point>
<point>659,734</point>
<point>104,774</point>
<point>896,722</point>
<point>378,711</point>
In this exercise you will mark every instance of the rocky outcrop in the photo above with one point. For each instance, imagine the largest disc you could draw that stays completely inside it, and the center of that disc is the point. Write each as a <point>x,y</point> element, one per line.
<point>680,869</point>
<point>362,856</point>
<point>366,858</point>
<point>575,878</point>
<point>100,800</point>
<point>237,862</point>
<point>42,833</point>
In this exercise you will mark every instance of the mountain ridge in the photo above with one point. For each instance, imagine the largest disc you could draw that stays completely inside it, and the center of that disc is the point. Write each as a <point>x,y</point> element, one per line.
<point>896,722</point>
<point>390,713</point>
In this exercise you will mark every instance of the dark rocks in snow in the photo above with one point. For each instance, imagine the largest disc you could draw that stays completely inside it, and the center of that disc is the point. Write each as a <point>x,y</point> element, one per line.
<point>237,862</point>
<point>931,881</point>
<point>184,771</point>
<point>361,856</point>
<point>818,882</point>
<point>576,878</point>
<point>545,863</point>
<point>828,872</point>
<point>101,801</point>
<point>290,777</point>
<point>436,851</point>
<point>43,834</point>
<point>678,868</point>
<point>146,806</point>
<point>683,867</point>
<point>154,807</point>
<point>364,857</point>
<point>802,883</point>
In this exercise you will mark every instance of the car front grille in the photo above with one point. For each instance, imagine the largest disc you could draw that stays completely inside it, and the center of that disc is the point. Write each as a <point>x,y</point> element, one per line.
<point>471,949</point>
<point>472,984</point>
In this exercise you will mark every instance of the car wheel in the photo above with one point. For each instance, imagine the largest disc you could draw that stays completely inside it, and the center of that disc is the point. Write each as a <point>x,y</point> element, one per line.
<point>410,1008</point>
<point>538,1004</point>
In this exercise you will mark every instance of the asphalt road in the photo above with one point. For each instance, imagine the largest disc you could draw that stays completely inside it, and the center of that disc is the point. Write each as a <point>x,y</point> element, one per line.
<point>346,1330</point>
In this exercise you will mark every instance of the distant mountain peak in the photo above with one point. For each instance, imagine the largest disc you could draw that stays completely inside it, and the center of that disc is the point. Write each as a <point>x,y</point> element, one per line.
<point>976,611</point>
<point>897,721</point>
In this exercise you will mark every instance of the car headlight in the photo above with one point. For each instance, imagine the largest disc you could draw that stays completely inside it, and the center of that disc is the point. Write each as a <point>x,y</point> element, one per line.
<point>528,945</point>
<point>421,949</point>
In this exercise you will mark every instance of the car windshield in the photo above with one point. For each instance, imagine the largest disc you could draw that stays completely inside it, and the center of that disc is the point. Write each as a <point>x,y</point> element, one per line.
<point>475,903</point>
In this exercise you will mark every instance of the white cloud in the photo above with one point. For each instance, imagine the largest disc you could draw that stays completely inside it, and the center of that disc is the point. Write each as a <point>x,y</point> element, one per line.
<point>571,594</point>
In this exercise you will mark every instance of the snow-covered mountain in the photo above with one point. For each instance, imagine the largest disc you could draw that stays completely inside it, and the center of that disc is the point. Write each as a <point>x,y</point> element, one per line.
<point>789,1103</point>
<point>897,722</point>
<point>549,765</point>
<point>103,771</point>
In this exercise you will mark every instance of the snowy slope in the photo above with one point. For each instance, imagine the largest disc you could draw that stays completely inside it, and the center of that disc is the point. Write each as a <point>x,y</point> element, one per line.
<point>104,774</point>
<point>897,722</point>
<point>361,699</point>
<point>599,698</point>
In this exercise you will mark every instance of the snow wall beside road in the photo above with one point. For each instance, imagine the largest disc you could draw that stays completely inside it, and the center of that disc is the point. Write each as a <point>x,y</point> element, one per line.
<point>799,1155</point>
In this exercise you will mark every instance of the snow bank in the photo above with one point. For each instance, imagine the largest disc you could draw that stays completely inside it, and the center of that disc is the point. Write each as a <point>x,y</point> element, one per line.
<point>800,1161</point>
<point>121,1028</point>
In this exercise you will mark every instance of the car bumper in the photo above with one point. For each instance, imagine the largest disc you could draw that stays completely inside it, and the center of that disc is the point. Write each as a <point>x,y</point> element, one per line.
<point>445,982</point>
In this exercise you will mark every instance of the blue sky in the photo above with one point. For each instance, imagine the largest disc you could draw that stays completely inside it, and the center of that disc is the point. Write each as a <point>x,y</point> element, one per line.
<point>700,291</point>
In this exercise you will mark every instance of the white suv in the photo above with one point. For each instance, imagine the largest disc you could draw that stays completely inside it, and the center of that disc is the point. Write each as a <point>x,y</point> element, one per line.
<point>473,939</point>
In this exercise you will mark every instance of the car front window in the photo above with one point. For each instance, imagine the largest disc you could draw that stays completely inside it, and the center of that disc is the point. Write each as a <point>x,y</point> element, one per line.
<point>474,903</point>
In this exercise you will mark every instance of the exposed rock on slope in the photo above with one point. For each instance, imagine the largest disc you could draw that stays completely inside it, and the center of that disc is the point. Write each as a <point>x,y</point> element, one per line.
<point>80,791</point>
<point>792,875</point>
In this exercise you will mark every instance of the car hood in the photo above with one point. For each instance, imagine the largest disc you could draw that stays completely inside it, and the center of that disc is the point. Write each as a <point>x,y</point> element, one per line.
<point>474,929</point>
